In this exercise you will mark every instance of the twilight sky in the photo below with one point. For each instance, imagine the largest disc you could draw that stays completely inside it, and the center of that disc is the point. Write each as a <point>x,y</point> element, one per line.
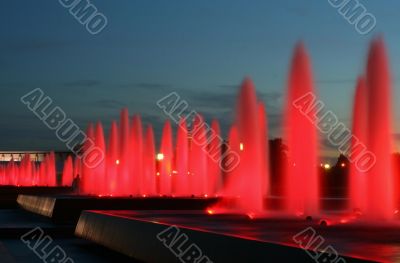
<point>200,49</point>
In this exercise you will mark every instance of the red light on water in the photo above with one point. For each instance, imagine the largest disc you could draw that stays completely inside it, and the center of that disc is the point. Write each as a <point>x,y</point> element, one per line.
<point>251,215</point>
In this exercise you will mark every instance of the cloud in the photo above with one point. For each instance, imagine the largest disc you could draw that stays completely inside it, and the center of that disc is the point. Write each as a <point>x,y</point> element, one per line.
<point>147,85</point>
<point>82,83</point>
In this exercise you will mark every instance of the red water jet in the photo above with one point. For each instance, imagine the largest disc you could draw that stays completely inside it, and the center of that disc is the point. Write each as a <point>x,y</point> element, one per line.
<point>301,179</point>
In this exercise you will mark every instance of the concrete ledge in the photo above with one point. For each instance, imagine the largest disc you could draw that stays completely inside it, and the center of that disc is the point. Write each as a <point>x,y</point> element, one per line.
<point>137,238</point>
<point>9,194</point>
<point>37,204</point>
<point>67,209</point>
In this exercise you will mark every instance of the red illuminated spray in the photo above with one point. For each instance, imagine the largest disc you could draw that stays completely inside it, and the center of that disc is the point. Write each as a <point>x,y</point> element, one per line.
<point>124,162</point>
<point>87,172</point>
<point>136,156</point>
<point>247,183</point>
<point>112,160</point>
<point>166,161</point>
<point>182,160</point>
<point>357,182</point>
<point>99,182</point>
<point>149,180</point>
<point>68,169</point>
<point>301,180</point>
<point>214,157</point>
<point>380,192</point>
<point>198,156</point>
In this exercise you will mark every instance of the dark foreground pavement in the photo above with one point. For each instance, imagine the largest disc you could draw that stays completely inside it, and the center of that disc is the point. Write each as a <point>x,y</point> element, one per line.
<point>14,223</point>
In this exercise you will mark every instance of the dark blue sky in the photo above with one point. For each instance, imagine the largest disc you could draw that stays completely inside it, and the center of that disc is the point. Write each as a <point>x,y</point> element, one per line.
<point>200,49</point>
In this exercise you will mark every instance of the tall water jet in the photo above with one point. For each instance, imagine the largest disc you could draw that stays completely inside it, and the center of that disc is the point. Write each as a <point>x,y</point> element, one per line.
<point>214,157</point>
<point>68,169</point>
<point>42,172</point>
<point>357,178</point>
<point>113,159</point>
<point>380,176</point>
<point>136,174</point>
<point>232,185</point>
<point>124,162</point>
<point>301,179</point>
<point>262,118</point>
<point>149,163</point>
<point>251,149</point>
<point>51,169</point>
<point>198,156</point>
<point>246,183</point>
<point>99,181</point>
<point>166,152</point>
<point>182,160</point>
<point>87,172</point>
<point>78,172</point>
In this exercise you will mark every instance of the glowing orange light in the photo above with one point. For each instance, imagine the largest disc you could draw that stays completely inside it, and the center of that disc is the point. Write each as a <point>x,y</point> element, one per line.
<point>327,166</point>
<point>210,212</point>
<point>158,173</point>
<point>343,165</point>
<point>117,162</point>
<point>241,146</point>
<point>206,195</point>
<point>160,156</point>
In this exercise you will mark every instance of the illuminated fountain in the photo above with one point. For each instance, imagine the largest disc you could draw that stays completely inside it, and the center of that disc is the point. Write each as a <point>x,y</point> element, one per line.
<point>68,172</point>
<point>29,173</point>
<point>358,179</point>
<point>246,186</point>
<point>181,179</point>
<point>372,192</point>
<point>188,165</point>
<point>301,179</point>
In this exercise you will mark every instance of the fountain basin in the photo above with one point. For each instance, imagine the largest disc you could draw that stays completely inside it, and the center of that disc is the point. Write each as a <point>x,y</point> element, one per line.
<point>222,238</point>
<point>67,208</point>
